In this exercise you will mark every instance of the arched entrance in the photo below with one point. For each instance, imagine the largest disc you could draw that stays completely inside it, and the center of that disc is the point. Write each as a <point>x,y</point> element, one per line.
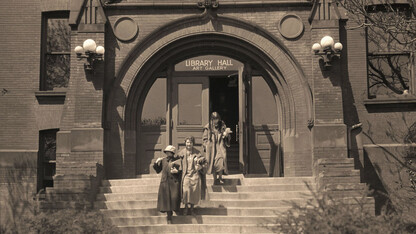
<point>155,57</point>
<point>179,102</point>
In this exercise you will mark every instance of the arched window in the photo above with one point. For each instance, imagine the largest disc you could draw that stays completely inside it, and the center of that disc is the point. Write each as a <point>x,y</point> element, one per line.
<point>154,107</point>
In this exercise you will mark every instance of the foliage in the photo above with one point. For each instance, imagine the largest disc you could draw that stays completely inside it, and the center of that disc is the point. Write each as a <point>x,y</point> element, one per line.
<point>70,221</point>
<point>17,200</point>
<point>157,121</point>
<point>325,214</point>
<point>410,154</point>
<point>19,210</point>
<point>393,24</point>
<point>62,221</point>
<point>391,37</point>
<point>57,59</point>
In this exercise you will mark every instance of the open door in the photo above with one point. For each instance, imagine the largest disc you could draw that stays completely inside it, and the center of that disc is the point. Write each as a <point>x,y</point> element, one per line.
<point>190,96</point>
<point>242,134</point>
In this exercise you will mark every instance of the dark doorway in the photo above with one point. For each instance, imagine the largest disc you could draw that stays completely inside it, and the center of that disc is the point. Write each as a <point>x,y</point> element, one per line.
<point>223,96</point>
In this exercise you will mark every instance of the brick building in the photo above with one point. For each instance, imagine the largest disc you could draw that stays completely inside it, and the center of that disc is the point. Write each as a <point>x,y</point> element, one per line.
<point>167,65</point>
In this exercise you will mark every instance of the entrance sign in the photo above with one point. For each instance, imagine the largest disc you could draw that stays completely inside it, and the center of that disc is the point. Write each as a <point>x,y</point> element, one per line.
<point>209,63</point>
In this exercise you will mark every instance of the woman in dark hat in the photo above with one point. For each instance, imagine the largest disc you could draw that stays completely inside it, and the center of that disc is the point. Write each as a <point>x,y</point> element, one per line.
<point>169,196</point>
<point>216,138</point>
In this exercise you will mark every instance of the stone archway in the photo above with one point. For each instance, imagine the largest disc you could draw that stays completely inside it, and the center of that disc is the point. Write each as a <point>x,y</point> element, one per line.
<point>190,37</point>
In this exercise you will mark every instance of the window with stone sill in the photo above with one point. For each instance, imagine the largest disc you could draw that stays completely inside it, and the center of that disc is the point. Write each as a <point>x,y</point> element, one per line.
<point>390,61</point>
<point>56,50</point>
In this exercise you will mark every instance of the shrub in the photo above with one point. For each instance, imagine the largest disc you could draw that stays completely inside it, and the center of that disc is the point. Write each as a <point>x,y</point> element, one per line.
<point>70,221</point>
<point>324,214</point>
<point>61,221</point>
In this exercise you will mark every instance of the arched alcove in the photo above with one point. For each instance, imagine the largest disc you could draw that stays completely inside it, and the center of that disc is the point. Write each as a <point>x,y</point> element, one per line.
<point>191,38</point>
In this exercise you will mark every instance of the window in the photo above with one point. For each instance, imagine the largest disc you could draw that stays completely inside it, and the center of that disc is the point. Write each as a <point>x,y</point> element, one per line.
<point>46,158</point>
<point>390,57</point>
<point>154,108</point>
<point>264,104</point>
<point>56,50</point>
<point>190,104</point>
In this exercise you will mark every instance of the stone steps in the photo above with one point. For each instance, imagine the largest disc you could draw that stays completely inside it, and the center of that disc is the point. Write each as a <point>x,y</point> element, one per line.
<point>200,228</point>
<point>212,195</point>
<point>240,205</point>
<point>233,211</point>
<point>196,219</point>
<point>278,180</point>
<point>231,180</point>
<point>149,203</point>
<point>215,188</point>
<point>236,179</point>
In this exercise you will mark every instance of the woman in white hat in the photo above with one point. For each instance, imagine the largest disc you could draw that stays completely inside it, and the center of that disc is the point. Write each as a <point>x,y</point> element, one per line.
<point>169,196</point>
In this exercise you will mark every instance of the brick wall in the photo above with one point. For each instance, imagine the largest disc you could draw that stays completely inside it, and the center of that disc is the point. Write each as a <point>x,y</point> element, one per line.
<point>20,22</point>
<point>24,116</point>
<point>378,145</point>
<point>23,113</point>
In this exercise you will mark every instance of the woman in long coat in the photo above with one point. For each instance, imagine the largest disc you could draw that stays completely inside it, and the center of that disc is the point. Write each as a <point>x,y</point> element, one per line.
<point>169,196</point>
<point>193,175</point>
<point>216,138</point>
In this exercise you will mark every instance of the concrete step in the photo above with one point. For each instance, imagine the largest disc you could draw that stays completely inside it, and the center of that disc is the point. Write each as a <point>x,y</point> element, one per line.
<point>211,195</point>
<point>339,179</point>
<point>66,196</point>
<point>253,202</point>
<point>151,203</point>
<point>345,190</point>
<point>200,228</point>
<point>259,188</point>
<point>126,189</point>
<point>52,205</point>
<point>229,180</point>
<point>347,193</point>
<point>158,176</point>
<point>197,219</point>
<point>345,186</point>
<point>278,180</point>
<point>65,190</point>
<point>232,211</point>
<point>211,188</point>
<point>341,167</point>
<point>340,173</point>
<point>126,196</point>
<point>260,195</point>
<point>335,161</point>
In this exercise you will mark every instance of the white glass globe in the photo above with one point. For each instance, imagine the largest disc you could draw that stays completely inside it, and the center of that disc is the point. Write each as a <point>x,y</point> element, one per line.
<point>327,42</point>
<point>338,46</point>
<point>100,50</point>
<point>79,50</point>
<point>316,47</point>
<point>89,45</point>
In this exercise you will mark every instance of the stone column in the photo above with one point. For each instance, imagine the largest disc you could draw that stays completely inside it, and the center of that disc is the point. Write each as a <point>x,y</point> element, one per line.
<point>80,141</point>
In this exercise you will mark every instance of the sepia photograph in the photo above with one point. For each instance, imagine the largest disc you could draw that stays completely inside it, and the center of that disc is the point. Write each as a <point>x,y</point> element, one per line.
<point>208,116</point>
